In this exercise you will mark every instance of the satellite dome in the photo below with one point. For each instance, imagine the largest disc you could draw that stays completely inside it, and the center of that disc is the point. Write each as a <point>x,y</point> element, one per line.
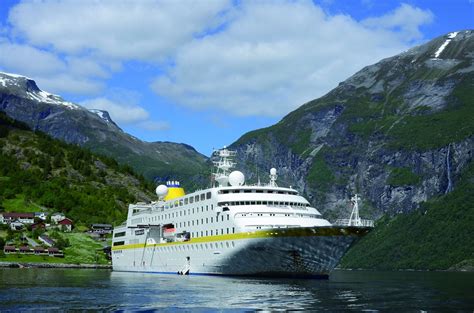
<point>161,190</point>
<point>273,171</point>
<point>236,178</point>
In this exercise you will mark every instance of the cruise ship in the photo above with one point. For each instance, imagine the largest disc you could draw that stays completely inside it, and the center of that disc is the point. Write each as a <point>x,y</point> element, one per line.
<point>233,229</point>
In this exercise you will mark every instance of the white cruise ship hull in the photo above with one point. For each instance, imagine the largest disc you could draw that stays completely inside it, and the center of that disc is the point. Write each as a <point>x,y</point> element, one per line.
<point>298,252</point>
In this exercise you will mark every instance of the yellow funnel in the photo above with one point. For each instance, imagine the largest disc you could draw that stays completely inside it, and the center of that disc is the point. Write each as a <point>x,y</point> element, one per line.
<point>174,190</point>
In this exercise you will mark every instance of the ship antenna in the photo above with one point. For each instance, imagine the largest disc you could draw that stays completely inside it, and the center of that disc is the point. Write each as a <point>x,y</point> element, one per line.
<point>223,166</point>
<point>354,220</point>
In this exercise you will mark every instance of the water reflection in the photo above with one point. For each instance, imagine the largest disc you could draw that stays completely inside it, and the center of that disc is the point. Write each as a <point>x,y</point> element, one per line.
<point>361,290</point>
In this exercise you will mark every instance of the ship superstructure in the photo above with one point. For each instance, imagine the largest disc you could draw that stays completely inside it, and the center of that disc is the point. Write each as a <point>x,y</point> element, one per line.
<point>230,229</point>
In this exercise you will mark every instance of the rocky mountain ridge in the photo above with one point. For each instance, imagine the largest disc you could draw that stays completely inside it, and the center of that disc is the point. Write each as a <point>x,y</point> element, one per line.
<point>399,132</point>
<point>22,100</point>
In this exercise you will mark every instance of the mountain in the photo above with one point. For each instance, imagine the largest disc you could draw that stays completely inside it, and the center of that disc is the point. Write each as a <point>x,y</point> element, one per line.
<point>398,132</point>
<point>21,99</point>
<point>39,173</point>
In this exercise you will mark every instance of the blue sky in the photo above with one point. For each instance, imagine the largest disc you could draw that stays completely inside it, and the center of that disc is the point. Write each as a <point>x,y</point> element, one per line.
<point>205,72</point>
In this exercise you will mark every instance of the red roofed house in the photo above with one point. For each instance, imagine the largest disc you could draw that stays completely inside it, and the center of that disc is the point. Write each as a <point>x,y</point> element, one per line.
<point>9,249</point>
<point>26,250</point>
<point>55,252</point>
<point>39,225</point>
<point>40,250</point>
<point>66,224</point>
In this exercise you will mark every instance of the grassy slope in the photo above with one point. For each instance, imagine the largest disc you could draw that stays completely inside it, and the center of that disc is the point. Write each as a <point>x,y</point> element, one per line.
<point>438,236</point>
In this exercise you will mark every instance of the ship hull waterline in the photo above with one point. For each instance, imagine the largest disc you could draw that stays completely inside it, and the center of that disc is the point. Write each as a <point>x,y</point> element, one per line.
<point>311,252</point>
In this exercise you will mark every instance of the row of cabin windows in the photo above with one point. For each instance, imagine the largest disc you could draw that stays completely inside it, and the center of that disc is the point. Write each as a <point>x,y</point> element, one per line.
<point>189,200</point>
<point>276,214</point>
<point>183,213</point>
<point>222,231</point>
<point>191,222</point>
<point>199,246</point>
<point>226,191</point>
<point>273,203</point>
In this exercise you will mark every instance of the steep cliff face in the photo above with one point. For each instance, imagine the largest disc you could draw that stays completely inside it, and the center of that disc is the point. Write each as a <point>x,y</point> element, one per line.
<point>22,100</point>
<point>399,132</point>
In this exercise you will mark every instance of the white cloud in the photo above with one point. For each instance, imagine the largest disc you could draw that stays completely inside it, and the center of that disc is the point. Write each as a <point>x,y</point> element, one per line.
<point>120,29</point>
<point>246,58</point>
<point>405,20</point>
<point>274,56</point>
<point>119,112</point>
<point>74,75</point>
<point>124,113</point>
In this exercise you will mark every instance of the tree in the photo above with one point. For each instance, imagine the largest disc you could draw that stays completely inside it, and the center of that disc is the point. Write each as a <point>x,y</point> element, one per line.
<point>2,243</point>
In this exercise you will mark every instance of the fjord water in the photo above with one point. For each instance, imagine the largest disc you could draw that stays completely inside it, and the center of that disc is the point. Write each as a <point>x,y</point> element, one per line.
<point>67,289</point>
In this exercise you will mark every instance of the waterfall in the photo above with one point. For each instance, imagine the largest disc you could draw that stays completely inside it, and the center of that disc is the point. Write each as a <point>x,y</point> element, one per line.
<point>449,188</point>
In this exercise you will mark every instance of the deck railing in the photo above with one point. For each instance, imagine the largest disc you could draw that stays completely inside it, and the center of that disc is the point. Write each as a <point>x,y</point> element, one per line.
<point>360,222</point>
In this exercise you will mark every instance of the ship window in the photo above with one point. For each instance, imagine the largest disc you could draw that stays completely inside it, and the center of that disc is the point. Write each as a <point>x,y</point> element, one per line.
<point>212,207</point>
<point>286,203</point>
<point>121,234</point>
<point>207,208</point>
<point>207,220</point>
<point>206,233</point>
<point>197,222</point>
<point>208,195</point>
<point>203,196</point>
<point>222,218</point>
<point>171,205</point>
<point>119,243</point>
<point>193,210</point>
<point>280,192</point>
<point>252,203</point>
<point>212,219</point>
<point>247,191</point>
<point>227,230</point>
<point>247,202</point>
<point>191,200</point>
<point>186,201</point>
<point>259,202</point>
<point>224,191</point>
<point>211,232</point>
<point>202,221</point>
<point>196,198</point>
<point>202,233</point>
<point>181,202</point>
<point>202,209</point>
<point>233,231</point>
<point>227,216</point>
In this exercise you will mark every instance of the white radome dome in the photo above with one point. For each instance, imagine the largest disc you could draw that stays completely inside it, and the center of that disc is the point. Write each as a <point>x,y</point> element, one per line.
<point>273,171</point>
<point>236,178</point>
<point>161,190</point>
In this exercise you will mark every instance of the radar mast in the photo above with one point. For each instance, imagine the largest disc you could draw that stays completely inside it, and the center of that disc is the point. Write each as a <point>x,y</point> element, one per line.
<point>223,166</point>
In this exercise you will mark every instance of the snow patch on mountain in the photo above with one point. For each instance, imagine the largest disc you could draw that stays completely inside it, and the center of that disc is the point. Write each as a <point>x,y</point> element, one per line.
<point>445,44</point>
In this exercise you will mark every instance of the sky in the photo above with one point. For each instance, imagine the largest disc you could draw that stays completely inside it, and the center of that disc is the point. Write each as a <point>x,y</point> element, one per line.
<point>204,72</point>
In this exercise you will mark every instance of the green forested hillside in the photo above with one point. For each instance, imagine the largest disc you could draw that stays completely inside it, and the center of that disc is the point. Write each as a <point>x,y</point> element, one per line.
<point>41,173</point>
<point>438,236</point>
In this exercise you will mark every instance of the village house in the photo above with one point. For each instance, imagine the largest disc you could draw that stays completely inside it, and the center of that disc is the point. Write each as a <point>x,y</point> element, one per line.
<point>16,225</point>
<point>25,218</point>
<point>39,225</point>
<point>66,224</point>
<point>56,217</point>
<point>41,215</point>
<point>101,229</point>
<point>40,250</point>
<point>46,240</point>
<point>9,249</point>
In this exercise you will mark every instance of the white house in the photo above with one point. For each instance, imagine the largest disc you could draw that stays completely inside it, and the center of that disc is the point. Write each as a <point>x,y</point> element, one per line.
<point>56,217</point>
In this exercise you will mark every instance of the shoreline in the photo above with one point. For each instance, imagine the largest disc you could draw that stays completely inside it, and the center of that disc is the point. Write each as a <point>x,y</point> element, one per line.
<point>53,265</point>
